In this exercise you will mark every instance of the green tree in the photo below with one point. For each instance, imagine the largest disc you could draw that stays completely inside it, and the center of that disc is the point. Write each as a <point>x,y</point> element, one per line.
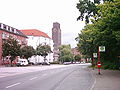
<point>103,32</point>
<point>88,9</point>
<point>86,41</point>
<point>65,53</point>
<point>108,29</point>
<point>43,50</point>
<point>11,47</point>
<point>77,58</point>
<point>27,51</point>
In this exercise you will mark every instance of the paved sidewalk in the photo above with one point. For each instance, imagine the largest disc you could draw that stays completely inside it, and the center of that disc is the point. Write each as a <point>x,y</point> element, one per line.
<point>108,80</point>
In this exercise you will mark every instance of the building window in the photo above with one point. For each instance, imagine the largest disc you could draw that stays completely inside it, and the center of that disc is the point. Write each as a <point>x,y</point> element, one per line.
<point>12,29</point>
<point>4,35</point>
<point>8,28</point>
<point>4,26</point>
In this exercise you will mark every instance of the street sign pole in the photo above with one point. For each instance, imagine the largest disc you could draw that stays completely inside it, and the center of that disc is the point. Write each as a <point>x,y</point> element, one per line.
<point>100,49</point>
<point>94,56</point>
<point>98,54</point>
<point>98,60</point>
<point>93,63</point>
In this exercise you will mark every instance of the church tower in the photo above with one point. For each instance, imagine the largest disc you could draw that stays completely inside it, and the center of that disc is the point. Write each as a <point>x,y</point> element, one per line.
<point>56,36</point>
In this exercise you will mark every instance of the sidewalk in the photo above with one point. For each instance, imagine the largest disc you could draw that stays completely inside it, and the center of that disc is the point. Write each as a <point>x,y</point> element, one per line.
<point>108,80</point>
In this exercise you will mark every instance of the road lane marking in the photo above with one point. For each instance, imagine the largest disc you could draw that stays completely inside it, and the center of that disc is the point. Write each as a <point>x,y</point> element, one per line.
<point>93,85</point>
<point>13,85</point>
<point>93,82</point>
<point>33,78</point>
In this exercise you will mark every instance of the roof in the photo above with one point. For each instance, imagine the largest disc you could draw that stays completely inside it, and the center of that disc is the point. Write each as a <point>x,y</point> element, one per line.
<point>12,30</point>
<point>34,32</point>
<point>20,33</point>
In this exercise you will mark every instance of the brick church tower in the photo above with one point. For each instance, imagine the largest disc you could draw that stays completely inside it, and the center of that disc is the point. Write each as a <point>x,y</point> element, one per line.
<point>56,36</point>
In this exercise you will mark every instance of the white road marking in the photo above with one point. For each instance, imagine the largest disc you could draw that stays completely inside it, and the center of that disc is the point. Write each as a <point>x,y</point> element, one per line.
<point>13,85</point>
<point>33,78</point>
<point>93,83</point>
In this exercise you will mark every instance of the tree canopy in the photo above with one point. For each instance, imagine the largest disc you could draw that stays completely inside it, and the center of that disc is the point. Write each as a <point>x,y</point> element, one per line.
<point>65,53</point>
<point>27,51</point>
<point>11,47</point>
<point>43,50</point>
<point>105,31</point>
<point>77,58</point>
<point>88,9</point>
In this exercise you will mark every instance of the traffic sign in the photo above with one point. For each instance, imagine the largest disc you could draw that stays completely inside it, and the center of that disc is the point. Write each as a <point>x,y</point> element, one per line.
<point>95,55</point>
<point>99,64</point>
<point>101,48</point>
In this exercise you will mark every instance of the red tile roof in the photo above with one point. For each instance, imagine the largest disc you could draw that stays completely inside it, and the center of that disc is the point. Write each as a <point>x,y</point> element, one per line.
<point>34,32</point>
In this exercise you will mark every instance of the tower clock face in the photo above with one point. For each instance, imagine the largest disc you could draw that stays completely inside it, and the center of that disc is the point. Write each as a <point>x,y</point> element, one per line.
<point>55,30</point>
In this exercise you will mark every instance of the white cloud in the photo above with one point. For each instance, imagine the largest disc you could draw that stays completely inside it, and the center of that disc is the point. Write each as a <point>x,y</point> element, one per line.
<point>40,14</point>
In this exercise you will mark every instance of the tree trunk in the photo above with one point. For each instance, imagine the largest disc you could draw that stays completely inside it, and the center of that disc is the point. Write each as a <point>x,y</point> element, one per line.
<point>44,58</point>
<point>11,63</point>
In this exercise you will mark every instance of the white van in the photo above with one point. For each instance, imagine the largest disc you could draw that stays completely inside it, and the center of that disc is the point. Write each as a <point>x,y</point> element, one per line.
<point>22,62</point>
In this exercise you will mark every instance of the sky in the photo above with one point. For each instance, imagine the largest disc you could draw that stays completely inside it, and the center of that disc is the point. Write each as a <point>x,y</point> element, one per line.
<point>40,14</point>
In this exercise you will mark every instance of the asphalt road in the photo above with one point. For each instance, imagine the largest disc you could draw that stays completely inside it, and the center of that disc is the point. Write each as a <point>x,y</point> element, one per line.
<point>76,77</point>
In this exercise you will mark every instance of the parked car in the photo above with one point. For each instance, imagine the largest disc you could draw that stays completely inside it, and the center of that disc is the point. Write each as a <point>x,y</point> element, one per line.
<point>45,63</point>
<point>30,63</point>
<point>22,62</point>
<point>67,63</point>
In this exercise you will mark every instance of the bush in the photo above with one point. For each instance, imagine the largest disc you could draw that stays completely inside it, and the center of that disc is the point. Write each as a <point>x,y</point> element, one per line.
<point>109,65</point>
<point>55,62</point>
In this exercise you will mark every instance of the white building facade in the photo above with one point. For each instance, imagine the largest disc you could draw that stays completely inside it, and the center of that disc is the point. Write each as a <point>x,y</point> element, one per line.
<point>35,38</point>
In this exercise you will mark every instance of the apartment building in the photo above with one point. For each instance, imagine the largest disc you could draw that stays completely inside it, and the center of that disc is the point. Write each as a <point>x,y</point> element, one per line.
<point>5,32</point>
<point>35,38</point>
